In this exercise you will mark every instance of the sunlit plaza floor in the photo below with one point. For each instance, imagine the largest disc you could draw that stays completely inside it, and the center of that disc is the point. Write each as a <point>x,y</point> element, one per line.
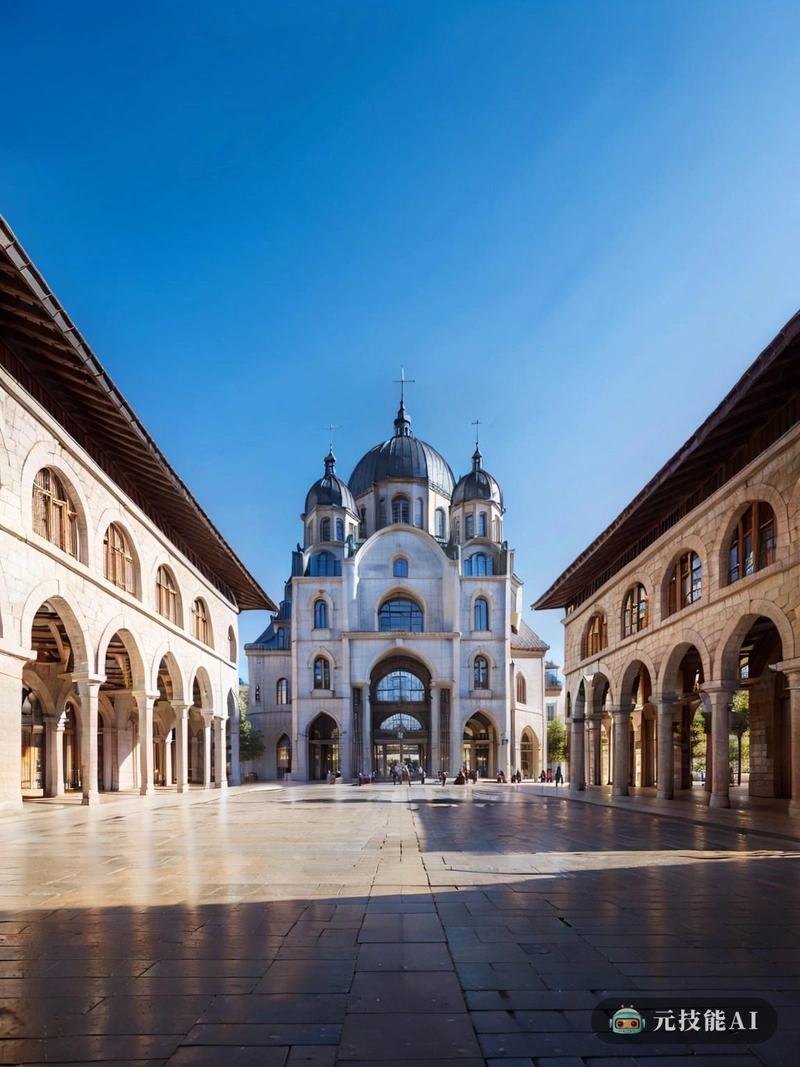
<point>310,924</point>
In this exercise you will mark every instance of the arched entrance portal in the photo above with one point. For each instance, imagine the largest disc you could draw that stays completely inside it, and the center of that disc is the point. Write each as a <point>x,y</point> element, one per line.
<point>529,754</point>
<point>760,714</point>
<point>479,746</point>
<point>323,748</point>
<point>284,757</point>
<point>400,697</point>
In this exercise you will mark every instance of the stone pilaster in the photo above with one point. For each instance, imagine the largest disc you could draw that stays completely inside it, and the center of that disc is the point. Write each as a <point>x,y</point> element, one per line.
<point>88,686</point>
<point>720,695</point>
<point>208,718</point>
<point>791,668</point>
<point>145,702</point>
<point>54,755</point>
<point>577,755</point>
<point>182,740</point>
<point>666,747</point>
<point>621,719</point>
<point>220,754</point>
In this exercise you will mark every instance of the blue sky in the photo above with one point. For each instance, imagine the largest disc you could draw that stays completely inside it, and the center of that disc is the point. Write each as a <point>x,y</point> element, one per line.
<point>577,222</point>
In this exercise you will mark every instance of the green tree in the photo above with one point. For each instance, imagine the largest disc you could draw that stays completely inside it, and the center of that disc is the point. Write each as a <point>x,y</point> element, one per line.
<point>556,741</point>
<point>251,744</point>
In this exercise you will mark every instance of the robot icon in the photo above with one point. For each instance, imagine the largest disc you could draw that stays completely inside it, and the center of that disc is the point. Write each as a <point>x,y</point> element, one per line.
<point>626,1021</point>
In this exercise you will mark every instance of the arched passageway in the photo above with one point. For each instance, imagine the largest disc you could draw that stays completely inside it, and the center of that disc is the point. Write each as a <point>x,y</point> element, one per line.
<point>323,747</point>
<point>479,746</point>
<point>400,698</point>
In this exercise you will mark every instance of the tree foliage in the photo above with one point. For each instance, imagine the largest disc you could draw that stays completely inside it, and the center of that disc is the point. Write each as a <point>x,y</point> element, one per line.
<point>556,741</point>
<point>251,744</point>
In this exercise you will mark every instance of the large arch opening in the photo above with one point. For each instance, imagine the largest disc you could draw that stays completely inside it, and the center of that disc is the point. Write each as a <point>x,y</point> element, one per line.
<point>400,698</point>
<point>323,747</point>
<point>760,739</point>
<point>283,755</point>
<point>479,746</point>
<point>529,754</point>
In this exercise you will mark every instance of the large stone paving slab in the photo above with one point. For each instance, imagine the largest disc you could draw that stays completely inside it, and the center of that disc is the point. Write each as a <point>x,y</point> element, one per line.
<point>306,926</point>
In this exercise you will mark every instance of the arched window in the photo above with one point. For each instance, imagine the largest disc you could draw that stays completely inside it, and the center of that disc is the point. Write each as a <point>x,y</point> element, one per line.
<point>400,614</point>
<point>119,568</point>
<point>439,526</point>
<point>686,582</point>
<point>400,568</point>
<point>522,690</point>
<point>325,530</point>
<point>482,524</point>
<point>54,515</point>
<point>202,630</point>
<point>481,614</point>
<point>362,524</point>
<point>418,513</point>
<point>320,615</point>
<point>325,565</point>
<point>469,527</point>
<point>340,529</point>
<point>231,645</point>
<point>282,635</point>
<point>401,721</point>
<point>635,611</point>
<point>480,673</point>
<point>257,694</point>
<point>457,531</point>
<point>400,687</point>
<point>166,594</point>
<point>753,542</point>
<point>282,691</point>
<point>284,757</point>
<point>322,673</point>
<point>596,635</point>
<point>478,565</point>
<point>400,509</point>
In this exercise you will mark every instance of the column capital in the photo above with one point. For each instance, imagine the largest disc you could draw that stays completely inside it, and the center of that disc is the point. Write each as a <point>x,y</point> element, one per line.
<point>180,707</point>
<point>664,699</point>
<point>144,694</point>
<point>88,678</point>
<point>718,688</point>
<point>791,668</point>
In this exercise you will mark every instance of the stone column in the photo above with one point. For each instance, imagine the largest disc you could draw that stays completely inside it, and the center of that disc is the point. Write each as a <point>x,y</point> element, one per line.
<point>366,730</point>
<point>593,750</point>
<point>220,768</point>
<point>208,718</point>
<point>791,668</point>
<point>145,702</point>
<point>182,740</point>
<point>168,759</point>
<point>233,725</point>
<point>434,748</point>
<point>577,755</point>
<point>12,662</point>
<point>721,697</point>
<point>88,686</point>
<point>621,724</point>
<point>54,755</point>
<point>666,747</point>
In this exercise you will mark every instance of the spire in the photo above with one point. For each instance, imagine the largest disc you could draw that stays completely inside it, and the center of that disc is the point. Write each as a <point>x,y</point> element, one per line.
<point>402,424</point>
<point>330,464</point>
<point>476,455</point>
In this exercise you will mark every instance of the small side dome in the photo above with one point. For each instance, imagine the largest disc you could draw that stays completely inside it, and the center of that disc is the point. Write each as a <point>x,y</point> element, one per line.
<point>330,491</point>
<point>477,485</point>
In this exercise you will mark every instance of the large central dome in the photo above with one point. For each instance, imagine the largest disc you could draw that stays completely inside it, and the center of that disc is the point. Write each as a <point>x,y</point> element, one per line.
<point>402,457</point>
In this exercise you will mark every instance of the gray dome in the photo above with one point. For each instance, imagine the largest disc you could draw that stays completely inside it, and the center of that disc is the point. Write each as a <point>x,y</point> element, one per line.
<point>477,485</point>
<point>330,491</point>
<point>402,457</point>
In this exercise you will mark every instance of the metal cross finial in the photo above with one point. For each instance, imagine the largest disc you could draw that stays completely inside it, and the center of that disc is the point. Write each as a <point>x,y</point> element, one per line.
<point>476,424</point>
<point>402,381</point>
<point>331,428</point>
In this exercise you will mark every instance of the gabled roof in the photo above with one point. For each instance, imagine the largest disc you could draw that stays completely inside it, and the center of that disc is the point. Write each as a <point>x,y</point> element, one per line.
<point>42,349</point>
<point>526,640</point>
<point>762,406</point>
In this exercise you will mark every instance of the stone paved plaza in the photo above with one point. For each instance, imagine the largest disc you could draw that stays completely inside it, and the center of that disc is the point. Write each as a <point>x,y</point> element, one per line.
<point>283,926</point>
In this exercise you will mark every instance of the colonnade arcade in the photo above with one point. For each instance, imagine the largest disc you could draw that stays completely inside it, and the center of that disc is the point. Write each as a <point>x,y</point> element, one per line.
<point>105,730</point>
<point>637,730</point>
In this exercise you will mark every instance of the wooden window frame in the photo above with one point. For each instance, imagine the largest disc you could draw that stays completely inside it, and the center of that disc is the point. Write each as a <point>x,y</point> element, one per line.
<point>55,517</point>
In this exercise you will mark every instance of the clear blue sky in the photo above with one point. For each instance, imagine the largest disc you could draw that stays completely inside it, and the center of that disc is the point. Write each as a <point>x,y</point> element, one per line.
<point>578,222</point>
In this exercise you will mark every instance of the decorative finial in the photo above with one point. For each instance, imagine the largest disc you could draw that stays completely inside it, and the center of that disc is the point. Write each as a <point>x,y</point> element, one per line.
<point>477,423</point>
<point>331,428</point>
<point>402,424</point>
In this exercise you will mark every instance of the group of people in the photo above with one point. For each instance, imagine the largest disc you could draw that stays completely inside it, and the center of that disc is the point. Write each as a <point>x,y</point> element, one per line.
<point>548,776</point>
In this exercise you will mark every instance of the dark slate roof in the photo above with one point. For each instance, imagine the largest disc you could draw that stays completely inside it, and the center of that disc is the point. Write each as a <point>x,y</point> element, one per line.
<point>268,640</point>
<point>477,485</point>
<point>762,406</point>
<point>402,457</point>
<point>330,490</point>
<point>42,350</point>
<point>526,640</point>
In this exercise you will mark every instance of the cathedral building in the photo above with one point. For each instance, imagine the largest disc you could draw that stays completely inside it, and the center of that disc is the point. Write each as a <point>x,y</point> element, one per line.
<point>399,639</point>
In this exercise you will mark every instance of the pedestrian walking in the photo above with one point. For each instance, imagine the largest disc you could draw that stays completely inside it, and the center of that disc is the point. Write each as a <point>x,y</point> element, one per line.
<point>394,775</point>
<point>422,776</point>
<point>559,775</point>
<point>405,776</point>
<point>549,776</point>
<point>443,777</point>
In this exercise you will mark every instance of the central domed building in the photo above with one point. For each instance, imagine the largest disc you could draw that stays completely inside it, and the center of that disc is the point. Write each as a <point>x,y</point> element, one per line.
<point>399,638</point>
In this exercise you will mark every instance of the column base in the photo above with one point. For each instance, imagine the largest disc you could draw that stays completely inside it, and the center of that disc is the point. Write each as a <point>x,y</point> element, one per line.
<point>183,788</point>
<point>665,794</point>
<point>89,800</point>
<point>221,785</point>
<point>577,787</point>
<point>147,791</point>
<point>619,791</point>
<point>794,809</point>
<point>719,800</point>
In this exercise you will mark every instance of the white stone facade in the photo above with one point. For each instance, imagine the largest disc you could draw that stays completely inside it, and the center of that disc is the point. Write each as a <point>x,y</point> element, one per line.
<point>406,622</point>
